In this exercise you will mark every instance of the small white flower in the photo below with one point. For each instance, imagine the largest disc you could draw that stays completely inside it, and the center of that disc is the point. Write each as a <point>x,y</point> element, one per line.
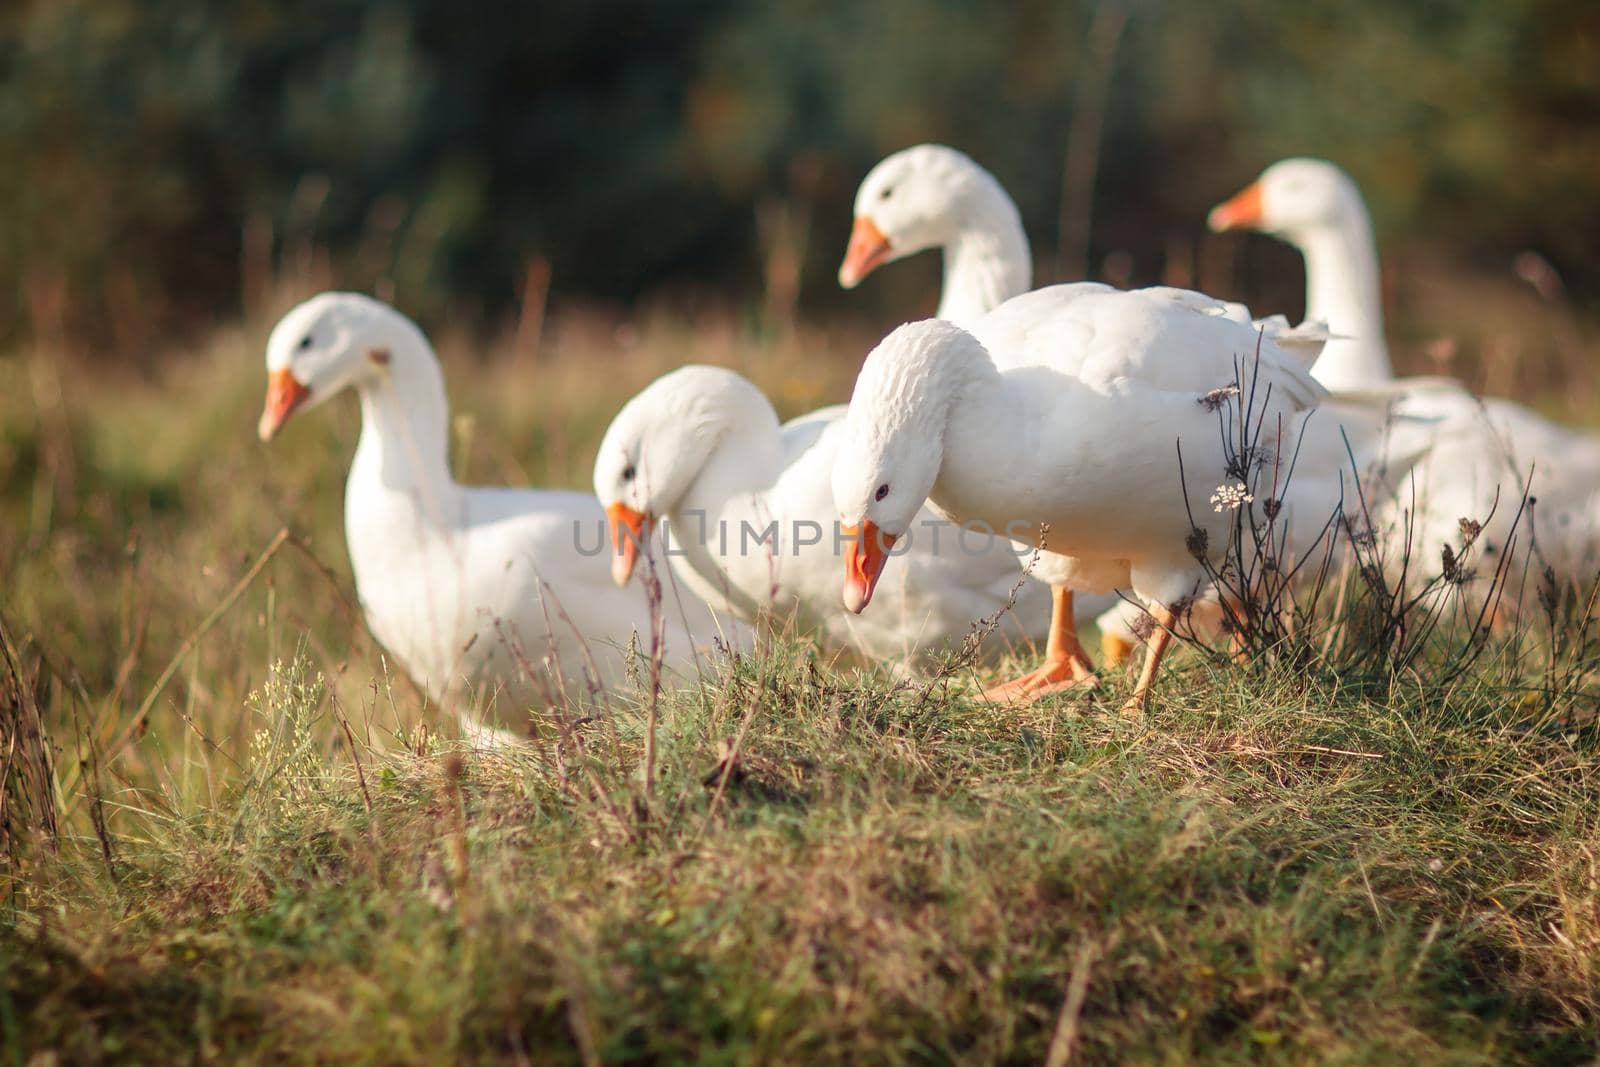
<point>1217,397</point>
<point>1231,497</point>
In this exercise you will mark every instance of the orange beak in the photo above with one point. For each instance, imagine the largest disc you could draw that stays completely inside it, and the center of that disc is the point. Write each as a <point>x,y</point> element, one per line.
<point>868,248</point>
<point>630,532</point>
<point>1243,211</point>
<point>284,394</point>
<point>863,562</point>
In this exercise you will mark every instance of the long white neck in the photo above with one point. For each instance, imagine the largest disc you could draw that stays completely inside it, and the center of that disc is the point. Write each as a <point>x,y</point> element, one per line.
<point>925,382</point>
<point>715,523</point>
<point>404,424</point>
<point>1342,289</point>
<point>987,262</point>
<point>977,465</point>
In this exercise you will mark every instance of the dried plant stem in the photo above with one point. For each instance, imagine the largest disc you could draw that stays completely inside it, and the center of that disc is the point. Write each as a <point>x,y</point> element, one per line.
<point>653,697</point>
<point>361,780</point>
<point>457,814</point>
<point>278,541</point>
<point>27,773</point>
<point>1066,1033</point>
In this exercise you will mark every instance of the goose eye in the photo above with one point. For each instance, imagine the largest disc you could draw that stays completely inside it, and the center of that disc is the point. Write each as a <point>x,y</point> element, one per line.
<point>628,472</point>
<point>883,491</point>
<point>887,193</point>
<point>305,342</point>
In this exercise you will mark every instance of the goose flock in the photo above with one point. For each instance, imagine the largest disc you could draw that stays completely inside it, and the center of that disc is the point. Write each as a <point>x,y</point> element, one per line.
<point>1485,454</point>
<point>701,448</point>
<point>1029,458</point>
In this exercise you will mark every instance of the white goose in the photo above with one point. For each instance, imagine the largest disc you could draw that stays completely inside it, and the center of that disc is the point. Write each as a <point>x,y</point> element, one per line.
<point>1096,391</point>
<point>931,196</point>
<point>749,521</point>
<point>464,586</point>
<point>1318,209</point>
<point>1484,449</point>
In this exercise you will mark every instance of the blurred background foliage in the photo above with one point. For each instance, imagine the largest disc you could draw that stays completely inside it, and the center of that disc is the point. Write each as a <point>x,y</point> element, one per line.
<point>164,156</point>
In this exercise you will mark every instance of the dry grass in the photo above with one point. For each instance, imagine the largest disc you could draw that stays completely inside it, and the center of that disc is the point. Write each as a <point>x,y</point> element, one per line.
<point>286,859</point>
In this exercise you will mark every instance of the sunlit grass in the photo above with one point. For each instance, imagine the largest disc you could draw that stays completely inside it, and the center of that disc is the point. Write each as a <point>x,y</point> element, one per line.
<point>290,859</point>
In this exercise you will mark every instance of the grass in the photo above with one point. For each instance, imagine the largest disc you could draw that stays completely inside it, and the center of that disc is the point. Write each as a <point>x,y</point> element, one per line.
<point>286,859</point>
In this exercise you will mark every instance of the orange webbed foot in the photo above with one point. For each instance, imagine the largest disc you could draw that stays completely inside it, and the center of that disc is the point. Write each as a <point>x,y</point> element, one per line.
<point>1059,674</point>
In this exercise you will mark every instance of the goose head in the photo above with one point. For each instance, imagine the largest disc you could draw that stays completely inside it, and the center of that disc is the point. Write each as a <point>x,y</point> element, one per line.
<point>916,199</point>
<point>892,444</point>
<point>657,448</point>
<point>1291,198</point>
<point>329,343</point>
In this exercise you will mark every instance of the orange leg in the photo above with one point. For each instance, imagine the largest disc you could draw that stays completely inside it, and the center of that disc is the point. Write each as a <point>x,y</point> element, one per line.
<point>1066,664</point>
<point>1115,649</point>
<point>1155,648</point>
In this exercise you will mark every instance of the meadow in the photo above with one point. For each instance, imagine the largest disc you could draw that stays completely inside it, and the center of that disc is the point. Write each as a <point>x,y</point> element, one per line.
<point>234,833</point>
